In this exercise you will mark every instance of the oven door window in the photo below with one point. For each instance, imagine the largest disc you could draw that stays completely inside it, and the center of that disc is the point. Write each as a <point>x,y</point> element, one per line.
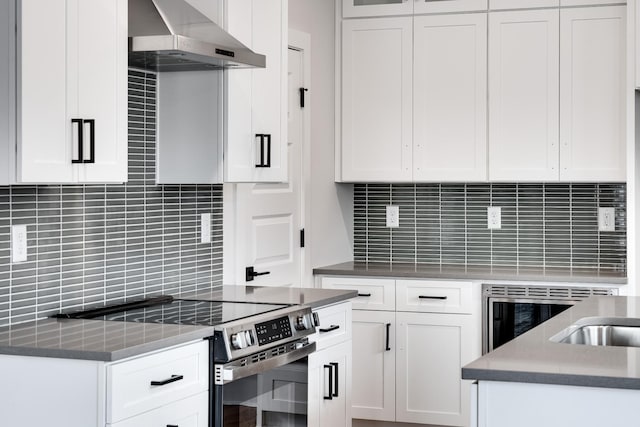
<point>511,319</point>
<point>277,397</point>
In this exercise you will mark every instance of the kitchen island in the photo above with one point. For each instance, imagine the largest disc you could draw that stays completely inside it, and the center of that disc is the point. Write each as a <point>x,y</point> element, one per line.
<point>536,380</point>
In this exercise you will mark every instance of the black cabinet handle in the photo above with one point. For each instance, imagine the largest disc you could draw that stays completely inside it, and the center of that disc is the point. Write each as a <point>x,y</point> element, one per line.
<point>316,319</point>
<point>264,163</point>
<point>173,425</point>
<point>431,297</point>
<point>364,295</point>
<point>173,379</point>
<point>330,328</point>
<point>330,396</point>
<point>387,347</point>
<point>336,383</point>
<point>79,122</point>
<point>92,141</point>
<point>250,274</point>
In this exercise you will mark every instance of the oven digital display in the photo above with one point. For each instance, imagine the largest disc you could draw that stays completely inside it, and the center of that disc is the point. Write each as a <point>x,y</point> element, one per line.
<point>273,330</point>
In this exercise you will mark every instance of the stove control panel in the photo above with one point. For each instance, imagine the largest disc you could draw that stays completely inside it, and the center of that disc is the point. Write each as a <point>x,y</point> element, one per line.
<point>273,330</point>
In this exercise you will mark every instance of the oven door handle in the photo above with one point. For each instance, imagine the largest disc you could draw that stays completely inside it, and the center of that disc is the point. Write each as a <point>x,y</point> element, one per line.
<point>225,374</point>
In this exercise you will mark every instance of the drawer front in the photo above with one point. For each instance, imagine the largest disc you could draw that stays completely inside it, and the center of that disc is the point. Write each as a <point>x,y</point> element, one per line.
<point>335,325</point>
<point>177,373</point>
<point>189,412</point>
<point>373,294</point>
<point>434,296</point>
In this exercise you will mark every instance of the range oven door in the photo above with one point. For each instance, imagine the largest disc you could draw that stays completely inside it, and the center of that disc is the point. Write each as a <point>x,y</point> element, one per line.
<point>271,392</point>
<point>511,317</point>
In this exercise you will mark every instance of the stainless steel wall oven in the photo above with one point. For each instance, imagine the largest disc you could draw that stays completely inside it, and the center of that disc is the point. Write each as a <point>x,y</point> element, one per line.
<point>511,310</point>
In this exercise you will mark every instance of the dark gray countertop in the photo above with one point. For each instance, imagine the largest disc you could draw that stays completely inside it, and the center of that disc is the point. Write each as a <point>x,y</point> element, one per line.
<point>533,358</point>
<point>94,339</point>
<point>110,340</point>
<point>275,295</point>
<point>424,271</point>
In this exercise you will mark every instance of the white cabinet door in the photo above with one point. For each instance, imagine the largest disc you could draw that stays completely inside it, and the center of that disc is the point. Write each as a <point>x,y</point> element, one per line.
<point>443,6</point>
<point>377,99</point>
<point>521,4</point>
<point>360,8</point>
<point>524,95</point>
<point>592,94</point>
<point>432,348</point>
<point>102,48</point>
<point>256,131</point>
<point>450,98</point>
<point>7,89</point>
<point>374,349</point>
<point>329,392</point>
<point>45,131</point>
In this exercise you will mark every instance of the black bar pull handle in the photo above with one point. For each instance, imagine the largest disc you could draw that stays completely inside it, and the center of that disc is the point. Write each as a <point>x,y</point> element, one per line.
<point>387,347</point>
<point>173,379</point>
<point>330,328</point>
<point>173,425</point>
<point>79,122</point>
<point>92,141</point>
<point>264,137</point>
<point>268,138</point>
<point>432,297</point>
<point>330,396</point>
<point>336,383</point>
<point>364,295</point>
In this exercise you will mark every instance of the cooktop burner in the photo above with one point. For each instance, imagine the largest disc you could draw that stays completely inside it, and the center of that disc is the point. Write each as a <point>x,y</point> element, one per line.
<point>178,312</point>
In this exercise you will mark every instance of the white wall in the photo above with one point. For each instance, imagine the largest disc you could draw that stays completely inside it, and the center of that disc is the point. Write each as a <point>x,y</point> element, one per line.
<point>331,237</point>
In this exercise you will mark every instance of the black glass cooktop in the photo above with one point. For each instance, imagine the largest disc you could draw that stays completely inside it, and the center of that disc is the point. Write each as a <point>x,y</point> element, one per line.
<point>178,312</point>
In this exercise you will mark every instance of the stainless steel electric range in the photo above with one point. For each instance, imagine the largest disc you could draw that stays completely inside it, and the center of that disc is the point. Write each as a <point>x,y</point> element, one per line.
<point>258,353</point>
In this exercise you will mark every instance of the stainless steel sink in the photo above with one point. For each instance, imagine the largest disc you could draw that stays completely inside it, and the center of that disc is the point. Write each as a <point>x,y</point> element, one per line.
<point>620,332</point>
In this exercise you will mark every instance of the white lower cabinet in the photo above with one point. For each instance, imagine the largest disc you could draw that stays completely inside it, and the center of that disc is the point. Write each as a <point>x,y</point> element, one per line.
<point>191,412</point>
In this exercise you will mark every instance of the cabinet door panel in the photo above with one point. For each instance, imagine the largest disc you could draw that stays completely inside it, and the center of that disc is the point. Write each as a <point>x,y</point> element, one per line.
<point>432,348</point>
<point>523,65</point>
<point>44,125</point>
<point>592,94</point>
<point>376,99</point>
<point>449,103</point>
<point>334,361</point>
<point>443,6</point>
<point>102,86</point>
<point>374,372</point>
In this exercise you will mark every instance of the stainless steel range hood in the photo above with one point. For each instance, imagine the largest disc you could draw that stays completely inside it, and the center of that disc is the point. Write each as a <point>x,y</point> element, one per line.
<point>172,35</point>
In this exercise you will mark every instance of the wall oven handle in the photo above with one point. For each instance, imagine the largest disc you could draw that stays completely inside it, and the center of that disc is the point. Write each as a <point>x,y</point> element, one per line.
<point>387,347</point>
<point>330,395</point>
<point>432,297</point>
<point>230,372</point>
<point>336,383</point>
<point>173,379</point>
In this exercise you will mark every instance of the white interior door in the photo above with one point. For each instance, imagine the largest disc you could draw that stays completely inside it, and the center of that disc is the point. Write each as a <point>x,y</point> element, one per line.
<point>270,215</point>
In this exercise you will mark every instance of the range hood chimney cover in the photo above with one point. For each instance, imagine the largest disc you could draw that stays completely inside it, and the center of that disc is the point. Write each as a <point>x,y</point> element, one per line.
<point>172,35</point>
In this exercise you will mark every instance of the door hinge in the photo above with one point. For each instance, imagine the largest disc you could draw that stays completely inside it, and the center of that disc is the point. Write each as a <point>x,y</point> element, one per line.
<point>302,91</point>
<point>302,238</point>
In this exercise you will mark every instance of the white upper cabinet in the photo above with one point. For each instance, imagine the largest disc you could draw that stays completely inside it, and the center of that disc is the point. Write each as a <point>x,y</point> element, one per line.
<point>443,6</point>
<point>521,4</point>
<point>449,97</point>
<point>359,8</point>
<point>377,99</point>
<point>523,95</point>
<point>72,91</point>
<point>592,94</point>
<point>256,133</point>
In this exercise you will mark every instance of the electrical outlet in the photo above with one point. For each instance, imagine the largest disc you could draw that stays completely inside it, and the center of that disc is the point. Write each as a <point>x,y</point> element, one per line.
<point>393,216</point>
<point>606,219</point>
<point>494,218</point>
<point>205,228</point>
<point>18,243</point>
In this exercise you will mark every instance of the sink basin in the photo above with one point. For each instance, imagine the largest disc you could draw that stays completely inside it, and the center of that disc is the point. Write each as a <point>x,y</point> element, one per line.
<point>619,332</point>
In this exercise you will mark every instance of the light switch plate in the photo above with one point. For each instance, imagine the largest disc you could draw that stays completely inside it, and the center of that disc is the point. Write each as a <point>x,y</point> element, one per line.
<point>19,243</point>
<point>205,228</point>
<point>393,216</point>
<point>606,219</point>
<point>494,218</point>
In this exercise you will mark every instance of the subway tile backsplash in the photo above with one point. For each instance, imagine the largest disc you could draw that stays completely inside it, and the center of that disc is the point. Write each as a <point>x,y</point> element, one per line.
<point>97,243</point>
<point>543,225</point>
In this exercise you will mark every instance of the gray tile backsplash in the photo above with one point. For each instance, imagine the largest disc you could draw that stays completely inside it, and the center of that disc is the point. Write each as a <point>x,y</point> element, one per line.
<point>96,243</point>
<point>543,225</point>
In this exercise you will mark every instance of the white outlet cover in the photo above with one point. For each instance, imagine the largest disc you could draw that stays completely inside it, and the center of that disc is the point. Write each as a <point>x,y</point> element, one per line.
<point>393,216</point>
<point>494,218</point>
<point>18,243</point>
<point>205,228</point>
<point>606,219</point>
